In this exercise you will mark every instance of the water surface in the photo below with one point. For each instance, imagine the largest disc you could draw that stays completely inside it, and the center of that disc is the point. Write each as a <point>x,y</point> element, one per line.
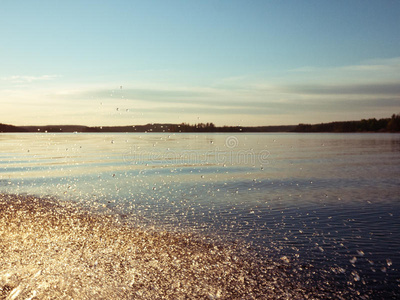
<point>322,207</point>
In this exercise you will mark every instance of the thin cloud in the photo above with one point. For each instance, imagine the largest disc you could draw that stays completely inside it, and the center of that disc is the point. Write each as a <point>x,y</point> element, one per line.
<point>351,89</point>
<point>373,65</point>
<point>315,95</point>
<point>195,110</point>
<point>376,73</point>
<point>28,79</point>
<point>208,97</point>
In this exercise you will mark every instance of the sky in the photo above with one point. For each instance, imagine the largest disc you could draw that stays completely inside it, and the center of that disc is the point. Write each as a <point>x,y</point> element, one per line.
<point>230,62</point>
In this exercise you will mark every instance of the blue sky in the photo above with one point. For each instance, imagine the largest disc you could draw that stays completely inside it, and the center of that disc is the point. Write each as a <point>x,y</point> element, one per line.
<point>228,62</point>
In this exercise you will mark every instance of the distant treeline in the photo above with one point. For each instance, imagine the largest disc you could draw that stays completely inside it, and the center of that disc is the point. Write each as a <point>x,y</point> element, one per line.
<point>371,125</point>
<point>184,127</point>
<point>210,127</point>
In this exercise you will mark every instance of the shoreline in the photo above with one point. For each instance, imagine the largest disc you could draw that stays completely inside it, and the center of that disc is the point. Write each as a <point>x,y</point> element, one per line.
<point>384,125</point>
<point>52,250</point>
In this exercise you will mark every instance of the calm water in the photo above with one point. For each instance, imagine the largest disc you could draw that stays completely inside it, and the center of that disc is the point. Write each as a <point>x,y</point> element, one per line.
<point>324,207</point>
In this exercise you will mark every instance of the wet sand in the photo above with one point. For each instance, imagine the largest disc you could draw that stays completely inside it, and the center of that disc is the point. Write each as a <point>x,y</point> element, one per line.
<point>56,250</point>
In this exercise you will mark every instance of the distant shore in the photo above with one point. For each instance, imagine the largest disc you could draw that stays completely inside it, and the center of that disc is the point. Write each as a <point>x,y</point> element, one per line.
<point>366,125</point>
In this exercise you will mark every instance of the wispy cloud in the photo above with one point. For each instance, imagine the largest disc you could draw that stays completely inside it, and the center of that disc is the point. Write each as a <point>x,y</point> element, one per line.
<point>370,71</point>
<point>370,89</point>
<point>190,97</point>
<point>28,79</point>
<point>350,89</point>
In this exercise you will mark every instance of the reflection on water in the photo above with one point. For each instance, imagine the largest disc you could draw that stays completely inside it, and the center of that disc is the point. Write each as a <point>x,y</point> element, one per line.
<point>319,213</point>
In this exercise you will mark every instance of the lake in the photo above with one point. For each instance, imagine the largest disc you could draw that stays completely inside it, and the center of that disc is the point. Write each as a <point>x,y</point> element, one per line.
<point>317,214</point>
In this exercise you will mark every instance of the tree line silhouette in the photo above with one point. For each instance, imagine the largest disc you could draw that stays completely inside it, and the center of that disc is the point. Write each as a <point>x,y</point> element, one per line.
<point>371,125</point>
<point>366,125</point>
